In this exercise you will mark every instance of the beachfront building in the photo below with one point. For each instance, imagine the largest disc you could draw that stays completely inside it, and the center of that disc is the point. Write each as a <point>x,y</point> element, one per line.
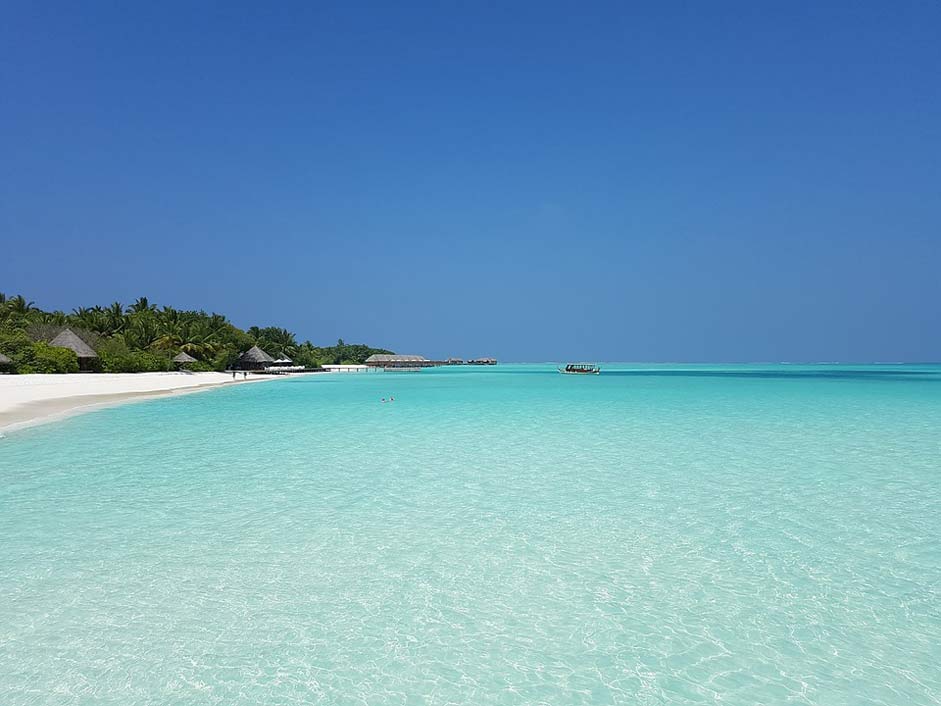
<point>253,359</point>
<point>87,358</point>
<point>399,362</point>
<point>482,361</point>
<point>183,359</point>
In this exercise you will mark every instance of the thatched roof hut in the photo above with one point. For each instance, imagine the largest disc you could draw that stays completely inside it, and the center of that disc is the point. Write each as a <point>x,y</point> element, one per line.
<point>86,354</point>
<point>253,359</point>
<point>68,339</point>
<point>184,358</point>
<point>4,360</point>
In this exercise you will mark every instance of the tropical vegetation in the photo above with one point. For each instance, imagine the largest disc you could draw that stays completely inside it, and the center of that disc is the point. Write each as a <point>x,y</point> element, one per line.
<point>143,337</point>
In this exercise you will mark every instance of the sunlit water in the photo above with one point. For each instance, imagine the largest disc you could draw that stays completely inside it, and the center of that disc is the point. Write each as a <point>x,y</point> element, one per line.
<point>660,535</point>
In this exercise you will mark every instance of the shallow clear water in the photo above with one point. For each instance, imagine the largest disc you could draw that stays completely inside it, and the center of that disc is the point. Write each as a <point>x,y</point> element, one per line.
<point>508,535</point>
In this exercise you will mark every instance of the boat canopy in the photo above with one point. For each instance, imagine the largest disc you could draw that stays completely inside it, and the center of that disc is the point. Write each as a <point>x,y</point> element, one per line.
<point>582,368</point>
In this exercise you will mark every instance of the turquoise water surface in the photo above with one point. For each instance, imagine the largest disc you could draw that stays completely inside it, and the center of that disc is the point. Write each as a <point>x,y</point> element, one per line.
<point>654,535</point>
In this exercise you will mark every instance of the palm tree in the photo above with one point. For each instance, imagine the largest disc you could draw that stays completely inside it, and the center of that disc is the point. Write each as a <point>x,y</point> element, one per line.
<point>140,306</point>
<point>18,306</point>
<point>168,341</point>
<point>273,340</point>
<point>52,318</point>
<point>93,319</point>
<point>141,333</point>
<point>114,316</point>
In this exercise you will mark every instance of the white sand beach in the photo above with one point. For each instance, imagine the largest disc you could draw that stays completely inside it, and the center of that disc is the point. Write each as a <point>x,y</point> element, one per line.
<point>26,400</point>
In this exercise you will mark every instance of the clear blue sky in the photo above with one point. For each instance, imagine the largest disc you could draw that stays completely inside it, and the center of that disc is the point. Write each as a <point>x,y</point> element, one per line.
<point>612,181</point>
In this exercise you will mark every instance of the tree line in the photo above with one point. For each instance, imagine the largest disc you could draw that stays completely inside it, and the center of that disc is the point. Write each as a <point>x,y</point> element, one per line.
<point>143,337</point>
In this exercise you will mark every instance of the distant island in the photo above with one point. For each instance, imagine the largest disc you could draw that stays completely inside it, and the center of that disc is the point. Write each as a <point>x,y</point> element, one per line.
<point>143,337</point>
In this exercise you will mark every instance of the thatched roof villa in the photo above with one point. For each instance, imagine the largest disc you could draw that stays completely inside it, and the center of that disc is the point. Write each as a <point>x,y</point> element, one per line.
<point>68,339</point>
<point>253,359</point>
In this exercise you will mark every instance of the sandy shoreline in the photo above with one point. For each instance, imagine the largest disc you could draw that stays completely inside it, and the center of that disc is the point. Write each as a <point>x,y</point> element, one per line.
<point>28,400</point>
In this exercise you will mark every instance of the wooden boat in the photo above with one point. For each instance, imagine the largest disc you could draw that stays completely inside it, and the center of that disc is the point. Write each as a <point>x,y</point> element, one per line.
<point>581,369</point>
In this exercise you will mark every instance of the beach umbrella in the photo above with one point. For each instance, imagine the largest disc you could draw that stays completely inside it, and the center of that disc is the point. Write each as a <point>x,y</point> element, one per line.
<point>184,358</point>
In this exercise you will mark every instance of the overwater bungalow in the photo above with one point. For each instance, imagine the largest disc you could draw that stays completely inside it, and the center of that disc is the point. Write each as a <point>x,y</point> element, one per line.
<point>87,357</point>
<point>482,361</point>
<point>399,362</point>
<point>454,361</point>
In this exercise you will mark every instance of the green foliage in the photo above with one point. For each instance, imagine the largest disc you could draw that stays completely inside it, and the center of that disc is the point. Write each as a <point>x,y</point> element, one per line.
<point>224,360</point>
<point>116,357</point>
<point>18,347</point>
<point>345,353</point>
<point>277,342</point>
<point>43,358</point>
<point>144,337</point>
<point>134,362</point>
<point>30,356</point>
<point>202,367</point>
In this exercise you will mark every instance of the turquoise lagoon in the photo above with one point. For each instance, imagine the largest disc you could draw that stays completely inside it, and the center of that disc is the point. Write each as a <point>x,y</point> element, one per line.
<point>653,535</point>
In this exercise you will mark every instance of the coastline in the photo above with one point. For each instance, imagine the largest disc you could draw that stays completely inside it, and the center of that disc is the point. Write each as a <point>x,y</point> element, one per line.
<point>31,400</point>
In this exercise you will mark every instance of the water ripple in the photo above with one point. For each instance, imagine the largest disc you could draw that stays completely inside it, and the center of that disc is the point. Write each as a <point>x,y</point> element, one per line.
<point>492,538</point>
